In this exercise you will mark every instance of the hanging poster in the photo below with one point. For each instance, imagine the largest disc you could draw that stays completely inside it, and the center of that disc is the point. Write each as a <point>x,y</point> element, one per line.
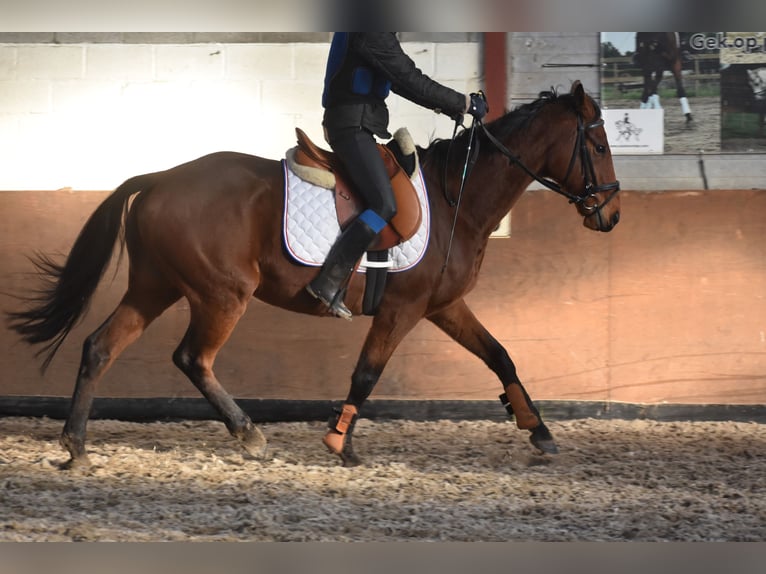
<point>743,91</point>
<point>634,131</point>
<point>667,72</point>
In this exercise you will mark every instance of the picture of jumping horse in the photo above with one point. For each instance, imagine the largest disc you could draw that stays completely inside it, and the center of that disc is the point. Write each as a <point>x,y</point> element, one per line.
<point>210,231</point>
<point>655,53</point>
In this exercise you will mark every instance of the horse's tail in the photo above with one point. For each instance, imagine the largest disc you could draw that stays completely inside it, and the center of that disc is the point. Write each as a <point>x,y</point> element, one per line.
<point>64,298</point>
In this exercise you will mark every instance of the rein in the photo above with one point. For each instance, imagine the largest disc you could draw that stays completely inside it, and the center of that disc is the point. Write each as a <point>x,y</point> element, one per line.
<point>589,201</point>
<point>466,168</point>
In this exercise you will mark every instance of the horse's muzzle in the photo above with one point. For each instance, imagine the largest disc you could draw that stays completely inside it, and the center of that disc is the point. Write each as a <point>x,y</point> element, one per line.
<point>598,222</point>
<point>614,220</point>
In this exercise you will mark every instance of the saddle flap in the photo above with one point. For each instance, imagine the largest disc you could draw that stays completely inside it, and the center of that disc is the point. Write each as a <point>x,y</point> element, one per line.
<point>408,214</point>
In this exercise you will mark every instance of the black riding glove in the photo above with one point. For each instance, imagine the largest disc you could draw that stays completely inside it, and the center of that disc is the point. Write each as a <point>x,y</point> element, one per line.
<point>478,106</point>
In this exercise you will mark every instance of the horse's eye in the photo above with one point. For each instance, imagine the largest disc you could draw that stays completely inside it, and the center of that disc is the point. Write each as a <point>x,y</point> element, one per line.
<point>600,148</point>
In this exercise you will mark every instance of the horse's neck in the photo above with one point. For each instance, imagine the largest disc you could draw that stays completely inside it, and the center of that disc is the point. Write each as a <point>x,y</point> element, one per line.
<point>498,184</point>
<point>492,187</point>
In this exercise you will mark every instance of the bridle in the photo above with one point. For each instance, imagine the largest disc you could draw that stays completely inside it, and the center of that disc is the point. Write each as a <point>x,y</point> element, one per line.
<point>589,201</point>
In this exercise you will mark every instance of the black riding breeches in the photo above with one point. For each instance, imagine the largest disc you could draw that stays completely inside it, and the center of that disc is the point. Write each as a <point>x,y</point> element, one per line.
<point>358,151</point>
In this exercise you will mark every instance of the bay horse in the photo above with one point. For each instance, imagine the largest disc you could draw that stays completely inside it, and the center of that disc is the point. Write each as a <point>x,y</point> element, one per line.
<point>655,53</point>
<point>210,231</point>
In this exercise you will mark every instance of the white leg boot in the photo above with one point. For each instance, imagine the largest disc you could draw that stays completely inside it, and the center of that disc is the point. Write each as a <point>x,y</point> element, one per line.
<point>686,108</point>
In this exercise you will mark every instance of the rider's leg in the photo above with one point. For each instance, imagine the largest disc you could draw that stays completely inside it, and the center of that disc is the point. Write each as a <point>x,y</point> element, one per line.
<point>358,151</point>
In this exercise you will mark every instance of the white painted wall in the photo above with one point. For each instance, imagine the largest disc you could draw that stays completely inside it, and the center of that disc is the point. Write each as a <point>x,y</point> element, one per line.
<point>88,116</point>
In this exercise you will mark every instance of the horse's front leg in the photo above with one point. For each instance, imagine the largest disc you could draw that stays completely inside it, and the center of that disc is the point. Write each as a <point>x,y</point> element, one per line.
<point>646,90</point>
<point>387,331</point>
<point>460,323</point>
<point>650,99</point>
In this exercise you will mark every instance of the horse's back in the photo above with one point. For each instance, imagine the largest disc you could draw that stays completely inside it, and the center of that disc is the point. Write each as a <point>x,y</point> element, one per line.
<point>206,219</point>
<point>223,163</point>
<point>213,181</point>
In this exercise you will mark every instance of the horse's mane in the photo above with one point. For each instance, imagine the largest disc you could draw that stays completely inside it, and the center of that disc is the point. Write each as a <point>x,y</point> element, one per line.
<point>502,128</point>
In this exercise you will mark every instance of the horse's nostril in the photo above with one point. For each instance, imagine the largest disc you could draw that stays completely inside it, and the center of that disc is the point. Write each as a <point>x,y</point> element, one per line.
<point>615,218</point>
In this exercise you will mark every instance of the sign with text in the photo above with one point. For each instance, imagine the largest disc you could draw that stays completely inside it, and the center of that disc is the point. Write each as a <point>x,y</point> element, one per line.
<point>634,131</point>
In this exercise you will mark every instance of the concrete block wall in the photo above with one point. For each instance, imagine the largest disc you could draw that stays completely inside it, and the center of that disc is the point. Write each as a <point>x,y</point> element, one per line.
<point>539,61</point>
<point>88,110</point>
<point>690,171</point>
<point>87,115</point>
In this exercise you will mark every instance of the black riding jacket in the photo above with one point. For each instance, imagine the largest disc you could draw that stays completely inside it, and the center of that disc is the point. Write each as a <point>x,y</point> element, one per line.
<point>361,69</point>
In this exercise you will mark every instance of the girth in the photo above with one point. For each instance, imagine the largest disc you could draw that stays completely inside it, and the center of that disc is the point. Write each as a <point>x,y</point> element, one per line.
<point>324,168</point>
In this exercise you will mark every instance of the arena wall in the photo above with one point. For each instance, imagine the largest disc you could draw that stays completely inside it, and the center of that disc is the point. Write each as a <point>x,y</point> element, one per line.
<point>667,308</point>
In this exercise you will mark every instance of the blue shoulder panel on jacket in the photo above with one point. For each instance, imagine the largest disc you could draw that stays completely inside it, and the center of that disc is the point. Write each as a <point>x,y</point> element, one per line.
<point>338,49</point>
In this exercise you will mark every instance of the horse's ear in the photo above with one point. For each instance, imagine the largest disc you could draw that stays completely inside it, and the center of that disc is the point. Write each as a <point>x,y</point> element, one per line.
<point>579,93</point>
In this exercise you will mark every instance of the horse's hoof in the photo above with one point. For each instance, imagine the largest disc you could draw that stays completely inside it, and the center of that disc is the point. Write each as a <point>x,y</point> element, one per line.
<point>545,446</point>
<point>79,463</point>
<point>254,443</point>
<point>257,453</point>
<point>349,458</point>
<point>256,448</point>
<point>542,440</point>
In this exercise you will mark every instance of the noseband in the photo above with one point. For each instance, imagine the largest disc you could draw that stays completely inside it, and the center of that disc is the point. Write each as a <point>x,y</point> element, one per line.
<point>589,201</point>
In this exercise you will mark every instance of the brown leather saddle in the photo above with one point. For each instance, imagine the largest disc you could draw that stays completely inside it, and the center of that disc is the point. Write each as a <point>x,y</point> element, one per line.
<point>408,216</point>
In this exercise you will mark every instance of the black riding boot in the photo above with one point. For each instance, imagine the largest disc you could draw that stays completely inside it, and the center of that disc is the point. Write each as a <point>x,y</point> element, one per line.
<point>329,285</point>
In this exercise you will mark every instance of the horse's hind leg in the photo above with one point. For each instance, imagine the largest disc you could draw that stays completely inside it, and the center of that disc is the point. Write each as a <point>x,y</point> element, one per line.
<point>459,322</point>
<point>100,349</point>
<point>209,328</point>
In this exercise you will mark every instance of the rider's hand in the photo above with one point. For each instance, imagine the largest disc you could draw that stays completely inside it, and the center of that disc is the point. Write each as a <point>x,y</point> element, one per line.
<point>477,105</point>
<point>458,117</point>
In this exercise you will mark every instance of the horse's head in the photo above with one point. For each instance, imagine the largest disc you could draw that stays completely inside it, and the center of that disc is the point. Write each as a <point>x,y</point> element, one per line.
<point>581,162</point>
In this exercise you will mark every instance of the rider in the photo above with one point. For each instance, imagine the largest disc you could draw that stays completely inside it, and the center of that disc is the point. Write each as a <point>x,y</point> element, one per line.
<point>362,68</point>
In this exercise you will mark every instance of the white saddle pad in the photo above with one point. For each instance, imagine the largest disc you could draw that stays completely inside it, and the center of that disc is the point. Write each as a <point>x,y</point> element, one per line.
<point>311,224</point>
